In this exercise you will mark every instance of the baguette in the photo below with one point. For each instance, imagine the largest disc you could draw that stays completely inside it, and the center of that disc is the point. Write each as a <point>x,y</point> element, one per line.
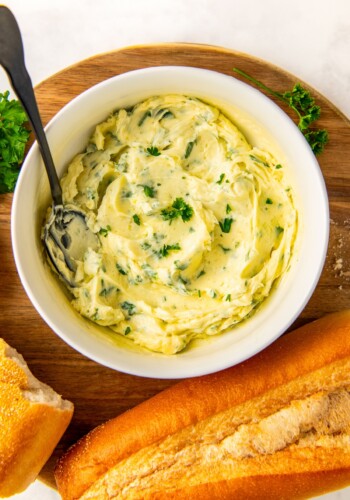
<point>276,426</point>
<point>32,420</point>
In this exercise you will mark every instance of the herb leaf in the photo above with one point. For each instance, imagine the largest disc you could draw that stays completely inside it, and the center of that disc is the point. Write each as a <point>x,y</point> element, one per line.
<point>13,138</point>
<point>303,104</point>
<point>317,140</point>
<point>179,208</point>
<point>225,225</point>
<point>136,219</point>
<point>221,178</point>
<point>189,149</point>
<point>105,230</point>
<point>129,307</point>
<point>164,251</point>
<point>148,190</point>
<point>121,270</point>
<point>153,151</point>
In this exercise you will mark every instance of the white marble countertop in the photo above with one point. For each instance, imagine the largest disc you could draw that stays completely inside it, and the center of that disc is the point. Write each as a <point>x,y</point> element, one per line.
<point>310,39</point>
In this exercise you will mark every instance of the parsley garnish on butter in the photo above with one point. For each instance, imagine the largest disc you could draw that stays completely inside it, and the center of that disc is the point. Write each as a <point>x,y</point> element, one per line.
<point>13,139</point>
<point>136,219</point>
<point>153,151</point>
<point>221,178</point>
<point>105,230</point>
<point>179,208</point>
<point>225,225</point>
<point>148,190</point>
<point>129,307</point>
<point>164,251</point>
<point>303,104</point>
<point>189,149</point>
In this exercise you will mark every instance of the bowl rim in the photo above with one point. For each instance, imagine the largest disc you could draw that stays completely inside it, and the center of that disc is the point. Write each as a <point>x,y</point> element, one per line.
<point>187,370</point>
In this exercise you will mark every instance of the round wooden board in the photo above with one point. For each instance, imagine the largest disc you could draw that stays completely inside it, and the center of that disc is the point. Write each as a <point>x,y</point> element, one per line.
<point>100,393</point>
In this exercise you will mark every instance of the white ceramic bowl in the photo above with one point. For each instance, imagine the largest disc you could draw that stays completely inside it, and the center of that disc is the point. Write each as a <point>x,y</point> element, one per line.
<point>68,134</point>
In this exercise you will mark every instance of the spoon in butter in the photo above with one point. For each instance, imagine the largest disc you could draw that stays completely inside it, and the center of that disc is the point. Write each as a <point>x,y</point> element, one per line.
<point>66,235</point>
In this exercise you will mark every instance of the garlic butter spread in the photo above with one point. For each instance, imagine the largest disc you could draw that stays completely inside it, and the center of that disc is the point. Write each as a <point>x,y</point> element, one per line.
<point>195,224</point>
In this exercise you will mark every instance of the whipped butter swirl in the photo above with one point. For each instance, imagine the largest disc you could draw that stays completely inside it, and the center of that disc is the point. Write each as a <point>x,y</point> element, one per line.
<point>195,224</point>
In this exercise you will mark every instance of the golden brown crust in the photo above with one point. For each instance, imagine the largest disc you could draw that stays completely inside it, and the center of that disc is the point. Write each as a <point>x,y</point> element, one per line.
<point>272,487</point>
<point>29,431</point>
<point>305,350</point>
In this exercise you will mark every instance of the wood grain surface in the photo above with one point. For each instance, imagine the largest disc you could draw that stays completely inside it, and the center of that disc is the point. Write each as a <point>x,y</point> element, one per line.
<point>100,393</point>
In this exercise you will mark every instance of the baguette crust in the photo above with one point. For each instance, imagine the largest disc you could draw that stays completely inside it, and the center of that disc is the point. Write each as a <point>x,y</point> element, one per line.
<point>29,428</point>
<point>272,487</point>
<point>275,371</point>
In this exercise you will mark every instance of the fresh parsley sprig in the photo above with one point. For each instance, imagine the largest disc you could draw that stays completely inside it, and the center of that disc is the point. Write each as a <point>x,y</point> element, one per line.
<point>179,208</point>
<point>303,104</point>
<point>13,139</point>
<point>153,151</point>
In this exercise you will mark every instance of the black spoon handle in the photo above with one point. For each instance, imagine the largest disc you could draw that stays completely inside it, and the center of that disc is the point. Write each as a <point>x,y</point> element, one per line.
<point>12,60</point>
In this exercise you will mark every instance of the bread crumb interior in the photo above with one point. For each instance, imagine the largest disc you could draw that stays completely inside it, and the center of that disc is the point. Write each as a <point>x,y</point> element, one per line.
<point>36,391</point>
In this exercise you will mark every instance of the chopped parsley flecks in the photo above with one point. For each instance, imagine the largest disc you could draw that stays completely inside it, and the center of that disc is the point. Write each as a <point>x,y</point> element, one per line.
<point>121,270</point>
<point>189,149</point>
<point>136,219</point>
<point>159,237</point>
<point>129,307</point>
<point>164,251</point>
<point>225,225</point>
<point>145,245</point>
<point>268,201</point>
<point>221,178</point>
<point>149,271</point>
<point>127,330</point>
<point>183,280</point>
<point>148,190</point>
<point>228,209</point>
<point>279,230</point>
<point>105,230</point>
<point>107,290</point>
<point>259,160</point>
<point>126,194</point>
<point>179,208</point>
<point>181,266</point>
<point>228,297</point>
<point>278,166</point>
<point>95,316</point>
<point>153,151</point>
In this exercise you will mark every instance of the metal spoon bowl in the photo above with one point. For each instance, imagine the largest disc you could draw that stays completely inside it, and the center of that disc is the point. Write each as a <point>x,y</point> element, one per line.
<point>66,236</point>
